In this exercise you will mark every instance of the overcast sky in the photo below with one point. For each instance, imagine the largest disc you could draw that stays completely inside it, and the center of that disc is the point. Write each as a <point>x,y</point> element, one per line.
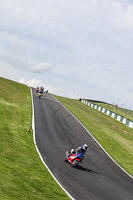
<point>73,48</point>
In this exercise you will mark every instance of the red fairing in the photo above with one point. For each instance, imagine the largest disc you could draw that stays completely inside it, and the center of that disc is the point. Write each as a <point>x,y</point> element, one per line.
<point>72,157</point>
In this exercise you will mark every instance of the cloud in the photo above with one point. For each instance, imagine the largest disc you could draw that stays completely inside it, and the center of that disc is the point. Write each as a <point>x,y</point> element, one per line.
<point>18,61</point>
<point>41,67</point>
<point>123,14</point>
<point>38,83</point>
<point>53,90</point>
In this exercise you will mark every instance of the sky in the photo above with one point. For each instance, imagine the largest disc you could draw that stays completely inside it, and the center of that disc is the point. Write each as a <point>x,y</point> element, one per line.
<point>74,48</point>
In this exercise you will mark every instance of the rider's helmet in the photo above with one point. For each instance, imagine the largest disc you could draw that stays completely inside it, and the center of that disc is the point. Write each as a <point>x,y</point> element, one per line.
<point>72,151</point>
<point>85,146</point>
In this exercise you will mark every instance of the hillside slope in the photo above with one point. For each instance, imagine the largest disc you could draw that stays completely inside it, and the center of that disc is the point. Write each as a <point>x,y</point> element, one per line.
<point>22,174</point>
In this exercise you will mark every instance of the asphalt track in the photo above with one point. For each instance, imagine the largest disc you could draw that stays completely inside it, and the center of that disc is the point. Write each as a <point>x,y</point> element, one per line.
<point>56,131</point>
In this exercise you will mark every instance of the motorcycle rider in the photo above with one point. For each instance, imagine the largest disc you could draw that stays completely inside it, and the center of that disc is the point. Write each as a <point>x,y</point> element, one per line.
<point>41,88</point>
<point>41,91</point>
<point>81,149</point>
<point>37,89</point>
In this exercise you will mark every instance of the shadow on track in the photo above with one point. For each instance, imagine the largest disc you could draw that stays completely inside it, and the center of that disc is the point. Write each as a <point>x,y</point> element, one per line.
<point>79,167</point>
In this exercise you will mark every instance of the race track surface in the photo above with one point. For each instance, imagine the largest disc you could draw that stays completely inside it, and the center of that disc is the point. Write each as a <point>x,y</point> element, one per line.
<point>98,177</point>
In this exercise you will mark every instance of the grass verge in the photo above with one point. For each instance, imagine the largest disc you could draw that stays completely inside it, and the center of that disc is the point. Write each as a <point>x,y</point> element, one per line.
<point>22,174</point>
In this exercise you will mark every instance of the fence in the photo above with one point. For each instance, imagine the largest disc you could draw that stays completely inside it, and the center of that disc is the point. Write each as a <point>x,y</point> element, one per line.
<point>109,113</point>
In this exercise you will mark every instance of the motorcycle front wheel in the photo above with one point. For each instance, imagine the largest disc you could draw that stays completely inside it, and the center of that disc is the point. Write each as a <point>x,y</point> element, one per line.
<point>74,163</point>
<point>65,159</point>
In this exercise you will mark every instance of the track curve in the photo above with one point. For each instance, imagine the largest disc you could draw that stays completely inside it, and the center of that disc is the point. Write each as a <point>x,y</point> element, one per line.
<point>56,131</point>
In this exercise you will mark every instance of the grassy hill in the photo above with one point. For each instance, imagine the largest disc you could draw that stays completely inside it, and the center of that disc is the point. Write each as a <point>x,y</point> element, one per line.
<point>22,174</point>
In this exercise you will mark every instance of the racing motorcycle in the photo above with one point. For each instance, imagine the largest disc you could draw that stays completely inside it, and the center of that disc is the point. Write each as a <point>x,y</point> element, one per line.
<point>37,89</point>
<point>40,94</point>
<point>73,159</point>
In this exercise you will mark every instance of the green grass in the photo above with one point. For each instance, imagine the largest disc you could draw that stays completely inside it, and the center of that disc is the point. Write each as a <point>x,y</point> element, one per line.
<point>128,114</point>
<point>115,137</point>
<point>22,174</point>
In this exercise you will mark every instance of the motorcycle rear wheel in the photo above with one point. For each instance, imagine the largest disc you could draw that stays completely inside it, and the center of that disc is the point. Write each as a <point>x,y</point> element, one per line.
<point>74,163</point>
<point>65,159</point>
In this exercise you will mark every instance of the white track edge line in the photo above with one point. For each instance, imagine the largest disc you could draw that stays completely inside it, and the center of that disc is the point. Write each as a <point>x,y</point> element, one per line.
<point>95,139</point>
<point>33,128</point>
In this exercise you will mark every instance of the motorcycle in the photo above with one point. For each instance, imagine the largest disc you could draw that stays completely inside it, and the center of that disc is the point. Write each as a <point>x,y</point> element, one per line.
<point>37,89</point>
<point>40,94</point>
<point>73,159</point>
